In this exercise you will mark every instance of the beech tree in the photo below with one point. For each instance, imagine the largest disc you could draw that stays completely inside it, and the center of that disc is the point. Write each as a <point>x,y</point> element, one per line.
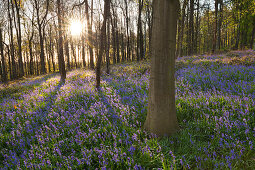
<point>161,118</point>
<point>102,41</point>
<point>60,42</point>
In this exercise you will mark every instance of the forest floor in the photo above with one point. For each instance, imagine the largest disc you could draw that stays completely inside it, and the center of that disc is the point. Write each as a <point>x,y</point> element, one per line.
<point>48,124</point>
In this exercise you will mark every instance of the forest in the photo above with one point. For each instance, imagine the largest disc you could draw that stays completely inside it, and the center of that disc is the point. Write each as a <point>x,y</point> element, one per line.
<point>127,84</point>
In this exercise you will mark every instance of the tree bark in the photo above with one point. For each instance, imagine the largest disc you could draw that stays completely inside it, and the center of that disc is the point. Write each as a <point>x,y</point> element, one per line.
<point>252,36</point>
<point>21,69</point>
<point>3,68</point>
<point>127,28</point>
<point>14,73</point>
<point>102,42</point>
<point>161,118</point>
<point>191,29</point>
<point>220,23</point>
<point>60,44</point>
<point>89,25</point>
<point>215,27</point>
<point>181,32</point>
<point>140,50</point>
<point>108,48</point>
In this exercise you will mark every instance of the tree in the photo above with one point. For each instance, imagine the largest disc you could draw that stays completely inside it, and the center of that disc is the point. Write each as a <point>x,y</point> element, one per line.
<point>161,118</point>
<point>18,6</point>
<point>140,50</point>
<point>14,72</point>
<point>3,68</point>
<point>61,61</point>
<point>102,42</point>
<point>41,23</point>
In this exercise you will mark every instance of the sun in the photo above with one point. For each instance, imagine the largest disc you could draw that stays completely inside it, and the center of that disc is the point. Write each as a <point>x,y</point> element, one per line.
<point>76,27</point>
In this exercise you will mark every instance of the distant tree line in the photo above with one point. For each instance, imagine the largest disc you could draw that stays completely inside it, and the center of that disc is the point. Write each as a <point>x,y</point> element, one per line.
<point>35,37</point>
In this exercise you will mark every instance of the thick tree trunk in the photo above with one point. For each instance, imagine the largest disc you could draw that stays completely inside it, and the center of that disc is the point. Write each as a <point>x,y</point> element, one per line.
<point>161,118</point>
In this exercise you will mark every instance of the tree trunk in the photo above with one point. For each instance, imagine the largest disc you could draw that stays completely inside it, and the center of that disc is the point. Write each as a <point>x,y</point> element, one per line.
<point>108,48</point>
<point>197,30</point>
<point>3,68</point>
<point>191,29</point>
<point>161,118</point>
<point>74,53</point>
<point>113,39</point>
<point>14,73</point>
<point>89,25</point>
<point>60,44</point>
<point>181,32</point>
<point>102,42</point>
<point>220,23</point>
<point>127,27</point>
<point>31,64</point>
<point>117,42</point>
<point>21,69</point>
<point>68,55</point>
<point>140,50</point>
<point>252,36</point>
<point>215,26</point>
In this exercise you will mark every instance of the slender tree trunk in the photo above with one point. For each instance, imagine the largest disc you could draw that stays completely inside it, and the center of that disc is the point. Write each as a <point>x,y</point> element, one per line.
<point>60,43</point>
<point>140,50</point>
<point>122,48</point>
<point>102,42</point>
<point>196,37</point>
<point>191,29</point>
<point>9,63</point>
<point>150,13</point>
<point>181,32</point>
<point>113,41</point>
<point>74,53</point>
<point>68,55</point>
<point>127,29</point>
<point>117,42</point>
<point>215,27</point>
<point>31,65</point>
<point>252,36</point>
<point>237,37</point>
<point>108,48</point>
<point>3,68</point>
<point>14,73</point>
<point>21,69</point>
<point>220,23</point>
<point>89,25</point>
<point>161,118</point>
